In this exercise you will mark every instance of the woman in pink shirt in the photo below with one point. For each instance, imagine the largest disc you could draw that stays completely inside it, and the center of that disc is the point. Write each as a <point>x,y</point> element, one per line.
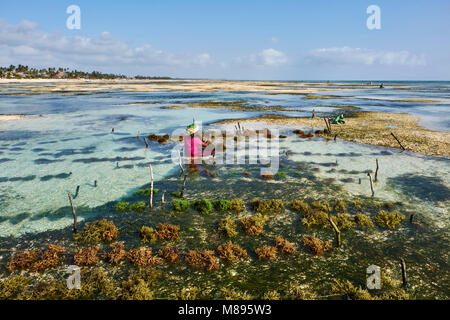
<point>193,145</point>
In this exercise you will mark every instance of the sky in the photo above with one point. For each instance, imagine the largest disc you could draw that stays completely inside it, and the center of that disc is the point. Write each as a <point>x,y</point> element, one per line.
<point>260,40</point>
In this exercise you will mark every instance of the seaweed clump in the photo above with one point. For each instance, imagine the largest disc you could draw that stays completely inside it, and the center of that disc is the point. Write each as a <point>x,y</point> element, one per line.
<point>316,246</point>
<point>13,287</point>
<point>221,205</point>
<point>236,205</point>
<point>142,257</point>
<point>180,206</point>
<point>231,252</point>
<point>139,206</point>
<point>170,254</point>
<point>349,292</point>
<point>389,220</point>
<point>284,246</point>
<point>100,230</point>
<point>164,231</point>
<point>203,259</point>
<point>116,254</point>
<point>203,206</point>
<point>339,206</point>
<point>254,225</point>
<point>343,221</point>
<point>49,259</point>
<point>266,253</point>
<point>270,206</point>
<point>363,221</point>
<point>322,206</point>
<point>300,207</point>
<point>86,257</point>
<point>148,234</point>
<point>146,192</point>
<point>315,218</point>
<point>23,260</point>
<point>135,288</point>
<point>122,206</point>
<point>227,227</point>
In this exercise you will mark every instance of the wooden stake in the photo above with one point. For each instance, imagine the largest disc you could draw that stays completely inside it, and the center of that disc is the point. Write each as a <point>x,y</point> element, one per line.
<point>139,135</point>
<point>411,218</point>
<point>371,183</point>
<point>163,202</point>
<point>376,171</point>
<point>74,215</point>
<point>326,123</point>
<point>329,125</point>
<point>151,187</point>
<point>337,231</point>
<point>403,264</point>
<point>184,185</point>
<point>146,143</point>
<point>398,141</point>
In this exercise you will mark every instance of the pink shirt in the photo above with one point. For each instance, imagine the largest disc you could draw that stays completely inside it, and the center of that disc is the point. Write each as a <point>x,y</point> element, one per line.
<point>193,146</point>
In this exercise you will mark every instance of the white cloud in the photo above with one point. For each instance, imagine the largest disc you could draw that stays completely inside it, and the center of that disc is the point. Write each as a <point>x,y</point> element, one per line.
<point>348,55</point>
<point>26,43</point>
<point>275,40</point>
<point>267,57</point>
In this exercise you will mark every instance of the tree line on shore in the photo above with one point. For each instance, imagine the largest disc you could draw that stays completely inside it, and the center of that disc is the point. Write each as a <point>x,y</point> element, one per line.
<point>25,72</point>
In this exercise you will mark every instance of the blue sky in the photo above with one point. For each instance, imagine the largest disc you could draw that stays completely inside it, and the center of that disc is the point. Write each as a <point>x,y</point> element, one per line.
<point>233,39</point>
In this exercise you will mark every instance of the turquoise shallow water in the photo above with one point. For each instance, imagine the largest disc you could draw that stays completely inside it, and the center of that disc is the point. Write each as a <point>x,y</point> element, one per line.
<point>42,158</point>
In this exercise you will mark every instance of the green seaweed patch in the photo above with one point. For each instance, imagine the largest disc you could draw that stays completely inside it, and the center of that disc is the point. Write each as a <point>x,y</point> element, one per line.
<point>203,206</point>
<point>176,194</point>
<point>221,205</point>
<point>139,206</point>
<point>323,206</point>
<point>315,218</point>
<point>148,235</point>
<point>100,230</point>
<point>122,206</point>
<point>363,221</point>
<point>180,206</point>
<point>300,207</point>
<point>281,175</point>
<point>339,206</point>
<point>236,205</point>
<point>146,192</point>
<point>343,221</point>
<point>389,220</point>
<point>227,227</point>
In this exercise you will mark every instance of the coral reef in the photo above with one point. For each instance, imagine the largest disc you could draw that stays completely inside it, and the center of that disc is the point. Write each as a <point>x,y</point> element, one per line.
<point>86,257</point>
<point>284,246</point>
<point>227,227</point>
<point>180,206</point>
<point>203,259</point>
<point>316,246</point>
<point>122,206</point>
<point>168,253</point>
<point>269,206</point>
<point>231,252</point>
<point>266,253</point>
<point>142,257</point>
<point>100,230</point>
<point>116,254</point>
<point>389,220</point>
<point>254,225</point>
<point>203,206</point>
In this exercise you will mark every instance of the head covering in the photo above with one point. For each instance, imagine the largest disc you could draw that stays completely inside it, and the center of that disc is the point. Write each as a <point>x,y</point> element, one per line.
<point>192,128</point>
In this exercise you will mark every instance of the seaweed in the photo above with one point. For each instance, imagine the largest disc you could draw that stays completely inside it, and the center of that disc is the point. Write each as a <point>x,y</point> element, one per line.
<point>122,206</point>
<point>203,206</point>
<point>315,218</point>
<point>284,246</point>
<point>203,260</point>
<point>266,253</point>
<point>295,292</point>
<point>170,254</point>
<point>231,252</point>
<point>316,246</point>
<point>236,205</point>
<point>142,257</point>
<point>348,291</point>
<point>281,175</point>
<point>300,207</point>
<point>221,205</point>
<point>23,260</point>
<point>363,221</point>
<point>389,220</point>
<point>357,204</point>
<point>254,225</point>
<point>167,232</point>
<point>11,288</point>
<point>176,194</point>
<point>146,192</point>
<point>269,206</point>
<point>322,206</point>
<point>192,293</point>
<point>86,257</point>
<point>180,206</point>
<point>271,295</point>
<point>100,230</point>
<point>267,176</point>
<point>227,227</point>
<point>49,259</point>
<point>339,206</point>
<point>135,288</point>
<point>139,206</point>
<point>148,235</point>
<point>116,254</point>
<point>233,294</point>
<point>343,221</point>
